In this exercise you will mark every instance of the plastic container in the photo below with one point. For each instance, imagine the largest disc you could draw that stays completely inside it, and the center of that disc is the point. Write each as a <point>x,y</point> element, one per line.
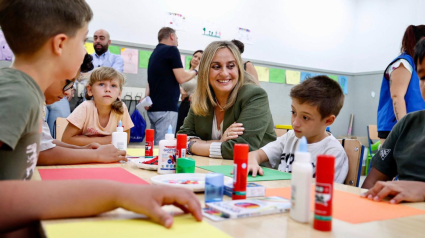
<point>324,192</point>
<point>119,138</point>
<point>185,165</point>
<point>214,187</point>
<point>167,153</point>
<point>302,173</point>
<point>150,136</point>
<point>181,145</point>
<point>240,171</point>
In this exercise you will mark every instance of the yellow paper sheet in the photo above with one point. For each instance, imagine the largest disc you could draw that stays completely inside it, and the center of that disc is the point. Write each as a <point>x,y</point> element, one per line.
<point>140,152</point>
<point>263,73</point>
<point>293,77</point>
<point>183,226</point>
<point>89,47</point>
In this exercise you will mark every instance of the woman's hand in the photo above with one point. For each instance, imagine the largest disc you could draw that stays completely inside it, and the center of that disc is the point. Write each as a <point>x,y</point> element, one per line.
<point>232,132</point>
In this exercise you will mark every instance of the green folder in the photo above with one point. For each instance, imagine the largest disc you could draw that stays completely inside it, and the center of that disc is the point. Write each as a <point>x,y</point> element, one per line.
<point>269,174</point>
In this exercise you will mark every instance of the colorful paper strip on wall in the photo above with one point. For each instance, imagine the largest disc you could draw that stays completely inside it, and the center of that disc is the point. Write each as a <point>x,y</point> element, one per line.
<point>131,60</point>
<point>293,77</point>
<point>263,73</point>
<point>144,58</point>
<point>277,75</point>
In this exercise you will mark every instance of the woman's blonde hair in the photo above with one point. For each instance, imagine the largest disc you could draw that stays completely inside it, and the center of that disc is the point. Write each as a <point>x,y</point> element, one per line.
<point>103,74</point>
<point>204,94</point>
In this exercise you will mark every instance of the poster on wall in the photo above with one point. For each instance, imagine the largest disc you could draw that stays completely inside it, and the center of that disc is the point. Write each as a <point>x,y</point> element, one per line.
<point>5,51</point>
<point>131,60</point>
<point>210,29</point>
<point>293,77</point>
<point>244,35</point>
<point>175,20</point>
<point>306,75</point>
<point>343,82</point>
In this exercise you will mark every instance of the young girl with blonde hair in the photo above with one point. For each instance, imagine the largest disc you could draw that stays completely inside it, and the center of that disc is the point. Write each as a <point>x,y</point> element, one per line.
<point>95,119</point>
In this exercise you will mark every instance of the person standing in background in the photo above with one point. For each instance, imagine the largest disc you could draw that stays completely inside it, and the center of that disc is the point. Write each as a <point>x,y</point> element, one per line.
<point>186,89</point>
<point>165,74</point>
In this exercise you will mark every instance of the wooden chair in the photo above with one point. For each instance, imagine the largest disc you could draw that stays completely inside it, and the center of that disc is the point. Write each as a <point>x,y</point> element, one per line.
<point>372,135</point>
<point>354,150</point>
<point>61,124</point>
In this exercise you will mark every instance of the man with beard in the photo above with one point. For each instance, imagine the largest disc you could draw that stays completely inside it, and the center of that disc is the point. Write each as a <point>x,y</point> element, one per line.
<point>102,56</point>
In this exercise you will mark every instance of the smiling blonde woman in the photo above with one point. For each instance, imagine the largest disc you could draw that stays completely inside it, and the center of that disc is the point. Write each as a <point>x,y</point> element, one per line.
<point>227,107</point>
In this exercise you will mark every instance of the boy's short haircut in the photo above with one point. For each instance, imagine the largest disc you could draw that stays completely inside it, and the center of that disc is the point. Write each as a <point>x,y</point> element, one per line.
<point>419,52</point>
<point>320,91</point>
<point>165,33</point>
<point>28,24</point>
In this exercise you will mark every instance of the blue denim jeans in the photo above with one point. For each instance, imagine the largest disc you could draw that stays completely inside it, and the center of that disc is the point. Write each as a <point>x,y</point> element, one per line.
<point>55,110</point>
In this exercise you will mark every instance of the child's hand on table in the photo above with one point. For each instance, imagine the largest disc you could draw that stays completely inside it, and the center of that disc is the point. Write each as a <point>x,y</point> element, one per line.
<point>409,191</point>
<point>149,199</point>
<point>110,154</point>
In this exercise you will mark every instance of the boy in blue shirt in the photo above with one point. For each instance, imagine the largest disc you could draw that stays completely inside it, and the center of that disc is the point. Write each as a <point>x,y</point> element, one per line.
<point>47,38</point>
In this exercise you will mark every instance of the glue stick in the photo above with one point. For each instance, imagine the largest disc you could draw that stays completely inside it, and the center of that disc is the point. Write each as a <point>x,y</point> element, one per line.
<point>150,134</point>
<point>324,192</point>
<point>181,146</point>
<point>240,171</point>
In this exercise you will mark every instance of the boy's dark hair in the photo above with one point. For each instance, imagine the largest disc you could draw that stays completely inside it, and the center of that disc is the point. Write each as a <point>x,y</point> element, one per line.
<point>419,52</point>
<point>28,24</point>
<point>87,64</point>
<point>165,33</point>
<point>239,44</point>
<point>411,36</point>
<point>320,91</point>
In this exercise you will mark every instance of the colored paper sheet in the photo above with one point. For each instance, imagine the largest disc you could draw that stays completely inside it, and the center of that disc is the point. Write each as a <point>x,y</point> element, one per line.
<point>139,152</point>
<point>114,174</point>
<point>184,226</point>
<point>354,209</point>
<point>306,75</point>
<point>244,35</point>
<point>89,47</point>
<point>188,59</point>
<point>269,174</point>
<point>334,77</point>
<point>144,58</point>
<point>263,73</point>
<point>210,29</point>
<point>175,20</point>
<point>277,75</point>
<point>5,51</point>
<point>114,49</point>
<point>343,82</point>
<point>293,77</point>
<point>131,60</point>
<point>183,58</point>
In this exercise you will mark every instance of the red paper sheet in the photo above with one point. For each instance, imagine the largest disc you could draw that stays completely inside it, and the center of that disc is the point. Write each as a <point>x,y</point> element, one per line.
<point>354,209</point>
<point>115,174</point>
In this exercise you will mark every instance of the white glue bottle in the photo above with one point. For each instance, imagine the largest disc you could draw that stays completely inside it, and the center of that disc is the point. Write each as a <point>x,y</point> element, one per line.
<point>302,173</point>
<point>167,153</point>
<point>119,138</point>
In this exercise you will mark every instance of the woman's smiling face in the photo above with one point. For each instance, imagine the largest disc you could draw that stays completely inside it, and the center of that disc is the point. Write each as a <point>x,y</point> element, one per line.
<point>223,74</point>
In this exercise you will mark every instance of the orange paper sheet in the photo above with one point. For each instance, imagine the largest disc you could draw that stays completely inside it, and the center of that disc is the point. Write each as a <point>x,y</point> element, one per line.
<point>354,209</point>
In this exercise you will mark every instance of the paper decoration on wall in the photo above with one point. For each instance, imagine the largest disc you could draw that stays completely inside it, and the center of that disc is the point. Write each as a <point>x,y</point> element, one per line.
<point>89,47</point>
<point>293,77</point>
<point>144,58</point>
<point>5,51</point>
<point>188,59</point>
<point>343,82</point>
<point>263,73</point>
<point>131,60</point>
<point>210,29</point>
<point>175,20</point>
<point>277,75</point>
<point>244,35</point>
<point>334,77</point>
<point>306,75</point>
<point>114,49</point>
<point>183,58</point>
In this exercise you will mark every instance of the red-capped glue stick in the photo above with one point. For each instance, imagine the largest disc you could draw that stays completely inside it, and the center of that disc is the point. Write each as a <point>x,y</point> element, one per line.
<point>240,171</point>
<point>181,146</point>
<point>150,134</point>
<point>325,168</point>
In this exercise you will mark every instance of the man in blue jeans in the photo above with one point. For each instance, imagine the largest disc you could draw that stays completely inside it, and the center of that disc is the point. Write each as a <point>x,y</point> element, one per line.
<point>165,74</point>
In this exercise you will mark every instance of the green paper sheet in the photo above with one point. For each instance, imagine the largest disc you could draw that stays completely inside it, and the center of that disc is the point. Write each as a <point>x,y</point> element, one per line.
<point>188,59</point>
<point>269,174</point>
<point>144,58</point>
<point>115,49</point>
<point>334,77</point>
<point>277,75</point>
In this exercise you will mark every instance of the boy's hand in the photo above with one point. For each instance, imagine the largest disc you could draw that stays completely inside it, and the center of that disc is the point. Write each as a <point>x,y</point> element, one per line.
<point>148,200</point>
<point>110,154</point>
<point>408,191</point>
<point>253,165</point>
